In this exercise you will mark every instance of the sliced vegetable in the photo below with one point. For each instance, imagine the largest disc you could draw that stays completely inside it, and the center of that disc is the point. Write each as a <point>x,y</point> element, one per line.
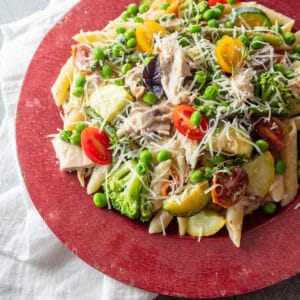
<point>229,186</point>
<point>172,6</point>
<point>109,100</point>
<point>271,131</point>
<point>251,16</point>
<point>232,141</point>
<point>229,53</point>
<point>190,202</point>
<point>182,121</point>
<point>261,173</point>
<point>145,32</point>
<point>95,145</point>
<point>206,223</point>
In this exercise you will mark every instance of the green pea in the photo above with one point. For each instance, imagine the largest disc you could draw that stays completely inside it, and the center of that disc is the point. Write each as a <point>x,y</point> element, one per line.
<point>208,172</point>
<point>277,29</point>
<point>80,126</point>
<point>231,1</point>
<point>208,14</point>
<point>172,16</point>
<point>125,15</point>
<point>280,166</point>
<point>64,135</point>
<point>298,173</point>
<point>106,71</point>
<point>217,13</point>
<point>195,29</point>
<point>75,138</point>
<point>143,8</point>
<point>220,6</point>
<point>229,24</point>
<point>200,76</point>
<point>125,68</point>
<point>289,38</point>
<point>98,53</point>
<point>184,42</point>
<point>164,6</point>
<point>100,200</point>
<point>78,91</point>
<point>298,163</point>
<point>196,176</point>
<point>131,43</point>
<point>80,81</point>
<point>196,118</point>
<point>141,168</point>
<point>146,157</point>
<point>118,50</point>
<point>138,20</point>
<point>211,92</point>
<point>149,98</point>
<point>289,74</point>
<point>270,208</point>
<point>129,34</point>
<point>119,82</point>
<point>262,145</point>
<point>203,6</point>
<point>133,8</point>
<point>163,155</point>
<point>163,18</point>
<point>244,39</point>
<point>213,23</point>
<point>257,43</point>
<point>279,68</point>
<point>297,49</point>
<point>121,30</point>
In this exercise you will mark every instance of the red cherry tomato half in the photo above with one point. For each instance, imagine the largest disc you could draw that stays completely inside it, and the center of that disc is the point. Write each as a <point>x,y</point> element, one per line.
<point>271,131</point>
<point>214,2</point>
<point>229,188</point>
<point>95,145</point>
<point>181,117</point>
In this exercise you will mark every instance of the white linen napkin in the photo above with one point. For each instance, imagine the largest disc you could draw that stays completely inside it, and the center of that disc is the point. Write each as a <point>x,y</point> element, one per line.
<point>34,263</point>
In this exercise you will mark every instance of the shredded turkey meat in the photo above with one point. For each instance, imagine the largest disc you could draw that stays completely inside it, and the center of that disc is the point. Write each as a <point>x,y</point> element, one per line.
<point>133,78</point>
<point>174,66</point>
<point>146,120</point>
<point>242,87</point>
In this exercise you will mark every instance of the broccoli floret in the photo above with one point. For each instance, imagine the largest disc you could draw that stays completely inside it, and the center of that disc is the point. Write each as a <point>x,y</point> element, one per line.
<point>273,87</point>
<point>127,193</point>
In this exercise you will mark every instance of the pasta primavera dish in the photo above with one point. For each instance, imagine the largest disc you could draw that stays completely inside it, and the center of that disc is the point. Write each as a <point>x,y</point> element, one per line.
<point>184,110</point>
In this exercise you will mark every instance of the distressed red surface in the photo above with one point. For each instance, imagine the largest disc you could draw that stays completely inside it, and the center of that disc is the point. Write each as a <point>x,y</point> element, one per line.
<point>115,245</point>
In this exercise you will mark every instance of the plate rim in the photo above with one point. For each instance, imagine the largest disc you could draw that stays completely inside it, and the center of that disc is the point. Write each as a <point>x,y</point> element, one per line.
<point>60,31</point>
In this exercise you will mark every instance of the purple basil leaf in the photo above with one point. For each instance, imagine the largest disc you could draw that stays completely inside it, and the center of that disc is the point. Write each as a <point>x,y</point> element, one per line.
<point>152,78</point>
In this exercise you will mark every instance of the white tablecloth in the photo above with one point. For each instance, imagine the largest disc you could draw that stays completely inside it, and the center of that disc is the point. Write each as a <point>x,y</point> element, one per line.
<point>34,263</point>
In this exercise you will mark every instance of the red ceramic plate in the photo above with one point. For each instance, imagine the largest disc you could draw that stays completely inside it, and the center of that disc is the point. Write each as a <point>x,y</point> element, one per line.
<point>116,245</point>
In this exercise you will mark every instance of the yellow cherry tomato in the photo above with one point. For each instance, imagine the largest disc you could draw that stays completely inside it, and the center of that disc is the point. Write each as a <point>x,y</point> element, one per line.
<point>229,53</point>
<point>144,34</point>
<point>173,8</point>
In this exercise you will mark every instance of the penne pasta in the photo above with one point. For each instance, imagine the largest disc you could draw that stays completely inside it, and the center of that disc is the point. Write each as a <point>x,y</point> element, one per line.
<point>62,84</point>
<point>160,222</point>
<point>234,223</point>
<point>97,178</point>
<point>277,189</point>
<point>289,155</point>
<point>182,225</point>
